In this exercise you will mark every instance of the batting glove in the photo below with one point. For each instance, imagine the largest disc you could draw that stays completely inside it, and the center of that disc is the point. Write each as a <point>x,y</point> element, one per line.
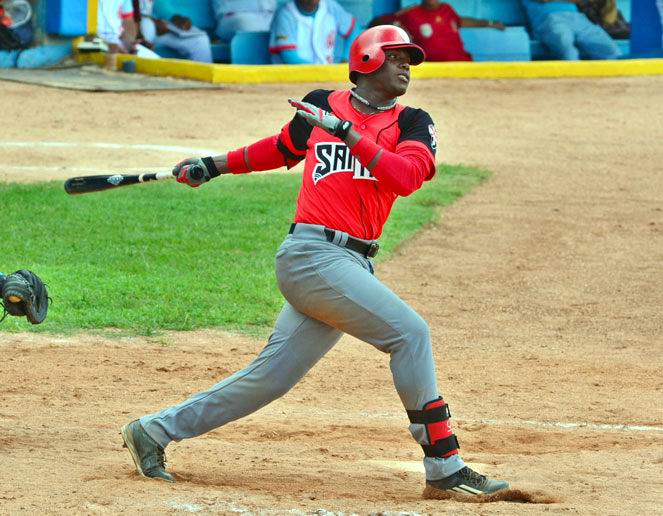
<point>195,171</point>
<point>318,117</point>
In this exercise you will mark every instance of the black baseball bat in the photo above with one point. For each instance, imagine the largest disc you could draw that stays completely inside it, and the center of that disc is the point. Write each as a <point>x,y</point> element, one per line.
<point>88,184</point>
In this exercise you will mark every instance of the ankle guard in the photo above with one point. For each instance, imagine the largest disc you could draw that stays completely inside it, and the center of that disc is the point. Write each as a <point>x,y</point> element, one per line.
<point>435,416</point>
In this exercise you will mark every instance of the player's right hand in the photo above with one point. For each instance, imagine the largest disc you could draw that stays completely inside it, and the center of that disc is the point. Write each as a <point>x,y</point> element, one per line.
<point>192,172</point>
<point>316,116</point>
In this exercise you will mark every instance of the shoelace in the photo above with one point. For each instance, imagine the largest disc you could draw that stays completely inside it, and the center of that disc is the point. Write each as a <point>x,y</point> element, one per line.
<point>472,475</point>
<point>161,457</point>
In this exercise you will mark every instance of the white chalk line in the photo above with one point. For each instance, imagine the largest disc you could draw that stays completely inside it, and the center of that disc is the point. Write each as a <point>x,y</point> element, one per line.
<point>231,508</point>
<point>93,170</point>
<point>123,146</point>
<point>574,426</point>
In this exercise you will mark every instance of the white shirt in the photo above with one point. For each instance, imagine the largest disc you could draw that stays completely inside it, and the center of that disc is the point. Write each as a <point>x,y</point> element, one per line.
<point>313,37</point>
<point>224,7</point>
<point>110,14</point>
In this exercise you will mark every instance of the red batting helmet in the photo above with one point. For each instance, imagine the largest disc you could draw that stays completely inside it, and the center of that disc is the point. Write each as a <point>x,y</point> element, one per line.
<point>367,51</point>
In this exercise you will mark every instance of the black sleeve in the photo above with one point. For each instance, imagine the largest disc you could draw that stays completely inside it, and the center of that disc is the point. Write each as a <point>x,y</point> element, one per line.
<point>300,129</point>
<point>417,125</point>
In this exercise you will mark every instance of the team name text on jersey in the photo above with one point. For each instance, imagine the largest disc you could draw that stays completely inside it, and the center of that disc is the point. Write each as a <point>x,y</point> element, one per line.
<point>333,157</point>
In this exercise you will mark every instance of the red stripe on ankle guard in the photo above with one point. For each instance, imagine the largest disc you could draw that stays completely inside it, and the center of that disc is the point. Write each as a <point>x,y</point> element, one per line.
<point>440,430</point>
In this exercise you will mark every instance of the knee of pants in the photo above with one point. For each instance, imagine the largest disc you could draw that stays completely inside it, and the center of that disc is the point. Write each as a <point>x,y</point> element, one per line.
<point>563,46</point>
<point>416,333</point>
<point>569,53</point>
<point>560,41</point>
<point>204,55</point>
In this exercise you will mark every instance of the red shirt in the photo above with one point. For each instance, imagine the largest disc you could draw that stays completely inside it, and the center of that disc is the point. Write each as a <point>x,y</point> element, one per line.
<point>337,191</point>
<point>436,31</point>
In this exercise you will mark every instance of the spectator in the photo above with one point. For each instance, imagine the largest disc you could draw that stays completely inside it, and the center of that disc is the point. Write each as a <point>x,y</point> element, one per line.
<point>116,26</point>
<point>566,32</point>
<point>178,35</point>
<point>606,14</point>
<point>234,16</point>
<point>16,22</point>
<point>434,26</point>
<point>304,32</point>
<point>16,38</point>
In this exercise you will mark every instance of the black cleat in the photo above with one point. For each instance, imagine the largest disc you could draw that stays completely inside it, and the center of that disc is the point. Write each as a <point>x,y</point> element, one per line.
<point>148,456</point>
<point>468,482</point>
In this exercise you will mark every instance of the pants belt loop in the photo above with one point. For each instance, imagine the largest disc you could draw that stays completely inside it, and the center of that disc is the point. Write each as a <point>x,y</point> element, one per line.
<point>341,238</point>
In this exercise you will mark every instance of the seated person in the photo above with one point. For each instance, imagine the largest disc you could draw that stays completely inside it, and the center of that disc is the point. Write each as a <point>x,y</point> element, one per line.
<point>17,30</point>
<point>304,32</point>
<point>434,26</point>
<point>178,35</point>
<point>234,16</point>
<point>16,22</point>
<point>606,14</point>
<point>118,29</point>
<point>566,32</point>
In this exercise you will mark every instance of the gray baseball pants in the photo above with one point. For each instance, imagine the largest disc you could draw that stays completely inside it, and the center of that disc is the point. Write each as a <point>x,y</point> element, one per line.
<point>330,290</point>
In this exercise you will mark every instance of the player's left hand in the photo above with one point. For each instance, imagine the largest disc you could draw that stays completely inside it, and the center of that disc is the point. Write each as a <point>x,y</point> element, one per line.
<point>318,117</point>
<point>193,172</point>
<point>181,22</point>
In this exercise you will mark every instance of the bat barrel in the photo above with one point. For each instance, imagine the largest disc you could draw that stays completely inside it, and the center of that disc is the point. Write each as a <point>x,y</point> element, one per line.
<point>88,184</point>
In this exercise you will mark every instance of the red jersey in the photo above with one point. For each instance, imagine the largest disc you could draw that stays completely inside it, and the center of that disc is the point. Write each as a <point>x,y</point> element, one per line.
<point>337,191</point>
<point>436,31</point>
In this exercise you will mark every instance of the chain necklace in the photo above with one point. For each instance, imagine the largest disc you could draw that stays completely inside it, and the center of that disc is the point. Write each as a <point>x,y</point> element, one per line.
<point>361,99</point>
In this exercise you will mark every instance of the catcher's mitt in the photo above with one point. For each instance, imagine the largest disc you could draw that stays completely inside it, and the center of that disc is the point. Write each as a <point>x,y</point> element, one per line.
<point>24,293</point>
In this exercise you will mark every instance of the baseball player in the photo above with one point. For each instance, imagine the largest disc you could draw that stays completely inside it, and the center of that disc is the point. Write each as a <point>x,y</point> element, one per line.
<point>362,150</point>
<point>304,31</point>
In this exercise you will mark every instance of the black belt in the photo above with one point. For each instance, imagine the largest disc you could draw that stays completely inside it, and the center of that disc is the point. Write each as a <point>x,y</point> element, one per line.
<point>354,244</point>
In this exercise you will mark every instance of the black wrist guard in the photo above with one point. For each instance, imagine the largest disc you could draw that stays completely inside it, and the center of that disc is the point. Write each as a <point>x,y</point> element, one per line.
<point>342,129</point>
<point>211,167</point>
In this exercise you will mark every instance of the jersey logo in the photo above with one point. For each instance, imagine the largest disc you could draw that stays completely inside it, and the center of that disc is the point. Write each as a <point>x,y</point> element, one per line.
<point>336,157</point>
<point>433,136</point>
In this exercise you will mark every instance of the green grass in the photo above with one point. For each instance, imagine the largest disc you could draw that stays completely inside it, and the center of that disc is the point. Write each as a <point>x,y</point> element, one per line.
<point>161,256</point>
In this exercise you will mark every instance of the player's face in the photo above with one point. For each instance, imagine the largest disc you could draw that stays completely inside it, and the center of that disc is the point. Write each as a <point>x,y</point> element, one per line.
<point>430,4</point>
<point>308,5</point>
<point>393,77</point>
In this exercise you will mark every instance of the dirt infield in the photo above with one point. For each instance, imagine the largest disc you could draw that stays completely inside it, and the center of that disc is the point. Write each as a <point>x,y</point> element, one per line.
<point>543,289</point>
